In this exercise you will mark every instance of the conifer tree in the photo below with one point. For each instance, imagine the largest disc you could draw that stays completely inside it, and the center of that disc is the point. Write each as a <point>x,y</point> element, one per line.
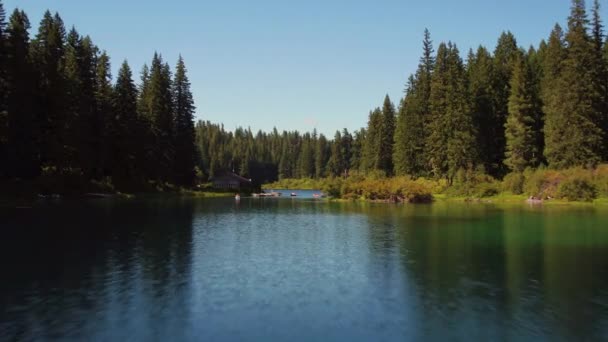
<point>413,116</point>
<point>125,131</point>
<point>387,137</point>
<point>504,55</point>
<point>48,57</point>
<point>185,150</point>
<point>600,75</point>
<point>357,149</point>
<point>22,157</point>
<point>3,93</point>
<point>480,70</point>
<point>451,140</point>
<point>336,159</point>
<point>103,101</point>
<point>72,110</point>
<point>573,134</point>
<point>522,150</point>
<point>160,110</point>
<point>373,142</point>
<point>306,160</point>
<point>321,156</point>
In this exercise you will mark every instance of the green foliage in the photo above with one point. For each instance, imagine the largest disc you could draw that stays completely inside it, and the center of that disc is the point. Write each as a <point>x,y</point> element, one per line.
<point>409,149</point>
<point>577,190</point>
<point>474,183</point>
<point>451,138</point>
<point>184,135</point>
<point>573,131</point>
<point>514,183</point>
<point>522,150</point>
<point>395,189</point>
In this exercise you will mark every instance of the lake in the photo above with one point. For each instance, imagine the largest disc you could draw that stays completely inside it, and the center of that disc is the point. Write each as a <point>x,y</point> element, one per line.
<point>302,270</point>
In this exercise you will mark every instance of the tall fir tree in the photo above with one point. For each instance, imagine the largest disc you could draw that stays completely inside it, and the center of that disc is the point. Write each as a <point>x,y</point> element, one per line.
<point>387,137</point>
<point>306,161</point>
<point>125,131</point>
<point>321,156</point>
<point>23,146</point>
<point>522,150</point>
<point>336,159</point>
<point>413,116</point>
<point>600,75</point>
<point>371,147</point>
<point>573,133</point>
<point>161,112</point>
<point>357,149</point>
<point>185,150</point>
<point>3,93</point>
<point>48,55</point>
<point>104,94</point>
<point>504,56</point>
<point>480,70</point>
<point>451,139</point>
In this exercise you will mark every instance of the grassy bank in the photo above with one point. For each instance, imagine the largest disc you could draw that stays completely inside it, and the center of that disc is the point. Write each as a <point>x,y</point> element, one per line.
<point>576,185</point>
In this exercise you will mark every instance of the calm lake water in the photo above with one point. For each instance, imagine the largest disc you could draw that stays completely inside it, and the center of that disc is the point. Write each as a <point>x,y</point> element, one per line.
<point>302,270</point>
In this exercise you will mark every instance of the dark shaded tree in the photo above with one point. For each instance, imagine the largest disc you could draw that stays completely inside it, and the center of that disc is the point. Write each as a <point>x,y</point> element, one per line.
<point>185,149</point>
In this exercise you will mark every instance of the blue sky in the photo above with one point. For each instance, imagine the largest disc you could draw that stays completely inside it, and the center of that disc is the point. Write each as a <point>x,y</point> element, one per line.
<point>295,64</point>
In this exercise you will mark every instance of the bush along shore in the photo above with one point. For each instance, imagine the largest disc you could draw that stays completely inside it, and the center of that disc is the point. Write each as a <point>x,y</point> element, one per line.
<point>533,185</point>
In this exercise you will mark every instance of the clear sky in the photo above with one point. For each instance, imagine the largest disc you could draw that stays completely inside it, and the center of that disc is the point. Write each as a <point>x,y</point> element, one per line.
<point>295,64</point>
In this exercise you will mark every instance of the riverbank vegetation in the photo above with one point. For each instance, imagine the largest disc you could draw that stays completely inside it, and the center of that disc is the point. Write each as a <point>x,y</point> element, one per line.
<point>574,184</point>
<point>524,120</point>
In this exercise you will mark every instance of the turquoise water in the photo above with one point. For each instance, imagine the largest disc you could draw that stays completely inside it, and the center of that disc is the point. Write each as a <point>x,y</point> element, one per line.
<point>302,270</point>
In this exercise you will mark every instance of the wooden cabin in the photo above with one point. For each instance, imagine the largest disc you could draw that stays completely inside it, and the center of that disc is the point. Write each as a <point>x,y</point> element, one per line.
<point>231,181</point>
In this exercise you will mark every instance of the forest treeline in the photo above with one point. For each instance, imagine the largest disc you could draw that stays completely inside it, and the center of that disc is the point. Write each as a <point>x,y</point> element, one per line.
<point>496,112</point>
<point>64,120</point>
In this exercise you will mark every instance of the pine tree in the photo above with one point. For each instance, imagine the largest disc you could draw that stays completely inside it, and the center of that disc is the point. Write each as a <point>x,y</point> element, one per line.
<point>451,139</point>
<point>160,110</point>
<point>413,116</point>
<point>357,149</point>
<point>371,147</point>
<point>600,75</point>
<point>74,121</point>
<point>185,149</point>
<point>387,137</point>
<point>306,160</point>
<point>573,133</point>
<point>22,139</point>
<point>521,141</point>
<point>125,132</point>
<point>480,70</point>
<point>336,160</point>
<point>346,149</point>
<point>3,93</point>
<point>104,94</point>
<point>321,156</point>
<point>48,57</point>
<point>504,55</point>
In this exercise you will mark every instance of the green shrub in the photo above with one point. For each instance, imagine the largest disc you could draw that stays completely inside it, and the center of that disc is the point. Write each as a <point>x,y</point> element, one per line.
<point>600,180</point>
<point>577,190</point>
<point>487,189</point>
<point>542,183</point>
<point>514,182</point>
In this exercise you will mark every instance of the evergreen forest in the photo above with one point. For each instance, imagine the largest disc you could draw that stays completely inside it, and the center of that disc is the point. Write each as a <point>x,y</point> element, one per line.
<point>65,119</point>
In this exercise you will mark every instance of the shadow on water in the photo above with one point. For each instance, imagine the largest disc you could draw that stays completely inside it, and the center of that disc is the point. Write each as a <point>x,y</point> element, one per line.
<point>85,269</point>
<point>301,269</point>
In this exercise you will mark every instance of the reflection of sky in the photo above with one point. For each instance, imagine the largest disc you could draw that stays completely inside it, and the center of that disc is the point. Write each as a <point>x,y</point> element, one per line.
<point>305,270</point>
